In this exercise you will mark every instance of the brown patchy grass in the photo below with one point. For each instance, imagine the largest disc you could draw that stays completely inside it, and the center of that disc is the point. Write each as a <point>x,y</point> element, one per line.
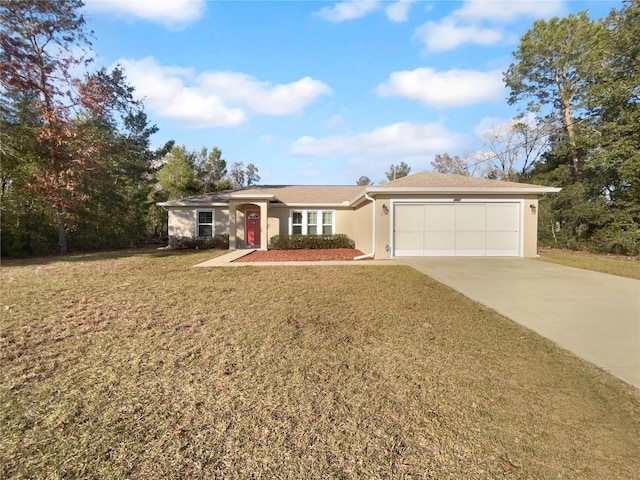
<point>619,265</point>
<point>134,365</point>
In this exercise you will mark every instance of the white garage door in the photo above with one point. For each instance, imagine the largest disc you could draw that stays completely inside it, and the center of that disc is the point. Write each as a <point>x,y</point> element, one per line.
<point>460,229</point>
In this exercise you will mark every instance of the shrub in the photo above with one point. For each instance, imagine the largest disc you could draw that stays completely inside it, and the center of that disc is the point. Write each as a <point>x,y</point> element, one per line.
<point>312,242</point>
<point>220,242</point>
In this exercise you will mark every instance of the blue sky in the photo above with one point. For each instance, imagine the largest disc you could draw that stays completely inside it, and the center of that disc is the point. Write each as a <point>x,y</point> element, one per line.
<point>321,92</point>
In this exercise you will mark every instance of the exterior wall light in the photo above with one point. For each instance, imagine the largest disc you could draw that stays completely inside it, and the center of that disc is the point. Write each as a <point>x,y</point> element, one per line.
<point>385,209</point>
<point>532,206</point>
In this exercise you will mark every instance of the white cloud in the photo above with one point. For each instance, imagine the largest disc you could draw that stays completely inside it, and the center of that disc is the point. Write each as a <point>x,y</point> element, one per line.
<point>444,89</point>
<point>215,98</point>
<point>173,13</point>
<point>509,10</point>
<point>399,11</point>
<point>392,143</point>
<point>166,93</point>
<point>264,97</point>
<point>350,10</point>
<point>468,23</point>
<point>448,34</point>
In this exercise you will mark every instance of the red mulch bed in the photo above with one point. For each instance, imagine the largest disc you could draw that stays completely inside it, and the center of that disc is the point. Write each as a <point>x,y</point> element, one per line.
<point>300,255</point>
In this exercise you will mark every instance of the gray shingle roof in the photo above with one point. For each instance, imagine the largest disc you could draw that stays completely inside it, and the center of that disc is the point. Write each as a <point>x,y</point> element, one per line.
<point>345,194</point>
<point>435,179</point>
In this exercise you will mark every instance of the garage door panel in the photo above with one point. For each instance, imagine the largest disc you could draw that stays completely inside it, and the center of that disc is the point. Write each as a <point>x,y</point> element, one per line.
<point>502,244</point>
<point>410,217</point>
<point>502,229</point>
<point>469,244</point>
<point>502,217</point>
<point>439,244</point>
<point>470,218</point>
<point>439,218</point>
<point>409,244</point>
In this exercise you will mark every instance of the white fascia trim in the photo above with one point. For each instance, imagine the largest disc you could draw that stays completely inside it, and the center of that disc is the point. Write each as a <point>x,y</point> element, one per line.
<point>255,196</point>
<point>191,204</point>
<point>395,201</point>
<point>310,206</point>
<point>361,198</point>
<point>463,190</point>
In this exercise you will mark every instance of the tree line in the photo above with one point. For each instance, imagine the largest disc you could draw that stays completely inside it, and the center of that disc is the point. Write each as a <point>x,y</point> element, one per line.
<point>576,82</point>
<point>77,169</point>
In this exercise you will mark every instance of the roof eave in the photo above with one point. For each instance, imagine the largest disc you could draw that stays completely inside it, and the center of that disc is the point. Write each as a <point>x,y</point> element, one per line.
<point>463,190</point>
<point>191,204</point>
<point>344,204</point>
<point>253,196</point>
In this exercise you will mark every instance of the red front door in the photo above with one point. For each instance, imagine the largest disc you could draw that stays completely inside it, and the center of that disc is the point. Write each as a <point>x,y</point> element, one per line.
<point>252,228</point>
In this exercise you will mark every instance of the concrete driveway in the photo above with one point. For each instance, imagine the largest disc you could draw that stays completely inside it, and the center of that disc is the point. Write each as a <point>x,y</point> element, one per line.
<point>594,315</point>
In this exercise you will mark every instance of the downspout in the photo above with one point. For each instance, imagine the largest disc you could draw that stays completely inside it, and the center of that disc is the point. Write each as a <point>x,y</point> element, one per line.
<point>373,234</point>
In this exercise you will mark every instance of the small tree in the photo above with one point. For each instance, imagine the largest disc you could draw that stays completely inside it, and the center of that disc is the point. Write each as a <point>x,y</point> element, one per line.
<point>177,177</point>
<point>364,180</point>
<point>237,174</point>
<point>514,147</point>
<point>452,165</point>
<point>252,175</point>
<point>211,170</point>
<point>399,171</point>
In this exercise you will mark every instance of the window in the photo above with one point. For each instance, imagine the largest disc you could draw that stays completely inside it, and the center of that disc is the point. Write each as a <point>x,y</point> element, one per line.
<point>327,223</point>
<point>312,222</point>
<point>296,223</point>
<point>204,226</point>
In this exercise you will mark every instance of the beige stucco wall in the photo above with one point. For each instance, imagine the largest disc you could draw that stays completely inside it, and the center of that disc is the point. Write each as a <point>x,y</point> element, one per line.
<point>278,221</point>
<point>530,215</point>
<point>182,221</point>
<point>360,228</point>
<point>383,228</point>
<point>221,218</point>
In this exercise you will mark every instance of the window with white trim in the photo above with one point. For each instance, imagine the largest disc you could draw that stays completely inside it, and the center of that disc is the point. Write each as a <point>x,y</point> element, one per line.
<point>312,222</point>
<point>296,223</point>
<point>327,223</point>
<point>204,223</point>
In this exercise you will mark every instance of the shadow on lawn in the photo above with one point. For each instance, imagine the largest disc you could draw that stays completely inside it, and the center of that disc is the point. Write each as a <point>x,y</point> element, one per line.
<point>98,256</point>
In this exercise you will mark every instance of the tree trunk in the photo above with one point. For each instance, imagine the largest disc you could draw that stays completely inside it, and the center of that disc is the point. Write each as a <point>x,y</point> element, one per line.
<point>568,123</point>
<point>62,231</point>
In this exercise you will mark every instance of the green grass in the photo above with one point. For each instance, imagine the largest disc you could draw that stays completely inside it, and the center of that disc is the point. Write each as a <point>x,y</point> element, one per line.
<point>616,265</point>
<point>134,365</point>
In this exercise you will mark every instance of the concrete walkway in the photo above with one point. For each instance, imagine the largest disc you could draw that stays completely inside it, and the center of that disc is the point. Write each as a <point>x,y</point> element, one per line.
<point>227,260</point>
<point>594,315</point>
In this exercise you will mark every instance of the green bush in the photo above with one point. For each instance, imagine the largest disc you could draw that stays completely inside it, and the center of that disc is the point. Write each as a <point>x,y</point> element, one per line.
<point>312,242</point>
<point>220,242</point>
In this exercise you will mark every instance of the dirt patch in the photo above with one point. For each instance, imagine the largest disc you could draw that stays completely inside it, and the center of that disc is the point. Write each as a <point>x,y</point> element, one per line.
<point>301,255</point>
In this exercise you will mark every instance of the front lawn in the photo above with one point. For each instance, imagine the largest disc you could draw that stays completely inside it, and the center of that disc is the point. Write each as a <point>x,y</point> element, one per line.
<point>612,264</point>
<point>135,365</point>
